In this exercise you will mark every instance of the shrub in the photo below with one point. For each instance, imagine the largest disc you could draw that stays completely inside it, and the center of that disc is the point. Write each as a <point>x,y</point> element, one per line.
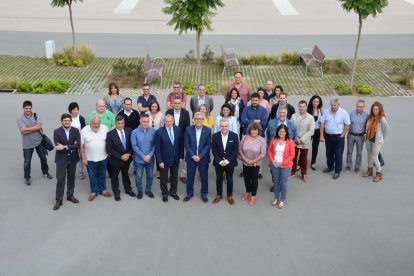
<point>337,66</point>
<point>57,57</point>
<point>259,59</point>
<point>78,63</point>
<point>343,89</point>
<point>78,56</point>
<point>10,83</point>
<point>24,86</point>
<point>126,74</point>
<point>209,89</point>
<point>189,88</point>
<point>364,89</point>
<point>290,58</point>
<point>219,61</point>
<point>189,57</point>
<point>208,54</point>
<point>122,66</point>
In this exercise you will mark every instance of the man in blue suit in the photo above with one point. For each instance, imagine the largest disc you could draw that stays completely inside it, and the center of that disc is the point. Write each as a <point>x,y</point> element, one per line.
<point>169,149</point>
<point>197,144</point>
<point>225,147</point>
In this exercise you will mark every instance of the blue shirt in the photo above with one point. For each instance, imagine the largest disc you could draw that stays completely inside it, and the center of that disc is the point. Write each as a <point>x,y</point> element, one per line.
<point>358,121</point>
<point>145,103</point>
<point>143,143</point>
<point>335,122</point>
<point>232,124</point>
<point>250,114</point>
<point>274,123</point>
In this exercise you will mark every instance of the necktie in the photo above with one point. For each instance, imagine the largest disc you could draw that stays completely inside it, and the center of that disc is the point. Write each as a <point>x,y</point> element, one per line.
<point>171,135</point>
<point>123,139</point>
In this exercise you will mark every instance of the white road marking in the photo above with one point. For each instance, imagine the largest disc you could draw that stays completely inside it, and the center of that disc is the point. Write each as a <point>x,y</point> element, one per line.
<point>410,2</point>
<point>126,6</point>
<point>286,8</point>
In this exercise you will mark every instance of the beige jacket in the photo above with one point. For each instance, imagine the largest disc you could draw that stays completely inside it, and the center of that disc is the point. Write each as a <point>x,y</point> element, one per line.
<point>304,129</point>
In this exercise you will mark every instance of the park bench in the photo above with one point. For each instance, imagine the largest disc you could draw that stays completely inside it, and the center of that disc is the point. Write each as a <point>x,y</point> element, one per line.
<point>153,70</point>
<point>312,58</point>
<point>229,57</point>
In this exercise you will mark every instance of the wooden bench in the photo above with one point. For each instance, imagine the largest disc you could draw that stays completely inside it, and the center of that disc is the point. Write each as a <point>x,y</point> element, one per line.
<point>312,58</point>
<point>153,70</point>
<point>229,57</point>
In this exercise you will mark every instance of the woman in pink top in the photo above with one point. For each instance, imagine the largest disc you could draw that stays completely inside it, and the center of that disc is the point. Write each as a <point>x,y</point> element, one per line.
<point>281,152</point>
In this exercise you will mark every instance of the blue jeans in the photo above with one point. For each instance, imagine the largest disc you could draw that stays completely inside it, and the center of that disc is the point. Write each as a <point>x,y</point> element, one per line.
<point>97,176</point>
<point>28,153</point>
<point>149,171</point>
<point>280,182</point>
<point>334,150</point>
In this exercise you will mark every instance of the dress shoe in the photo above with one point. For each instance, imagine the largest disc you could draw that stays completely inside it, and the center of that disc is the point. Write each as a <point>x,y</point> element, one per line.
<point>272,189</point>
<point>175,196</point>
<point>48,175</point>
<point>106,194</point>
<point>313,166</point>
<point>81,176</point>
<point>92,197</point>
<point>327,170</point>
<point>335,176</point>
<point>183,179</point>
<point>131,193</point>
<point>187,198</point>
<point>165,198</point>
<point>348,169</point>
<point>117,197</point>
<point>72,199</point>
<point>57,205</point>
<point>217,199</point>
<point>139,195</point>
<point>260,176</point>
<point>149,194</point>
<point>204,199</point>
<point>27,181</point>
<point>230,200</point>
<point>241,174</point>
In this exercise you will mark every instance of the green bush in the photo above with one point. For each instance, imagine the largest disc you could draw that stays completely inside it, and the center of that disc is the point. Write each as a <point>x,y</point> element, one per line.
<point>290,58</point>
<point>78,63</point>
<point>210,89</point>
<point>219,61</point>
<point>189,88</point>
<point>207,55</point>
<point>343,89</point>
<point>364,89</point>
<point>24,86</point>
<point>78,56</point>
<point>122,66</point>
<point>9,83</point>
<point>259,59</point>
<point>337,66</point>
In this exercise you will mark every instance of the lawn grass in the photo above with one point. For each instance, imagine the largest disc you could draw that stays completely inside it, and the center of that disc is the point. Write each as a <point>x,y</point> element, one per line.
<point>91,78</point>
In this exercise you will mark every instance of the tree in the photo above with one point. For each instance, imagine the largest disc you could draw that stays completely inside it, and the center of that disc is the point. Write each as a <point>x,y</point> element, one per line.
<point>61,4</point>
<point>363,8</point>
<point>192,15</point>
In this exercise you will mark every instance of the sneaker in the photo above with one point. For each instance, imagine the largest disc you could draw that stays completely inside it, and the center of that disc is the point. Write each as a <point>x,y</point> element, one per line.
<point>27,181</point>
<point>47,175</point>
<point>281,205</point>
<point>274,202</point>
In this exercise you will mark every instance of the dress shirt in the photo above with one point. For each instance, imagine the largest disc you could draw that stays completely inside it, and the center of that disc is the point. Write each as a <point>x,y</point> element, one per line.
<point>201,100</point>
<point>335,122</point>
<point>177,117</point>
<point>171,133</point>
<point>224,138</point>
<point>198,135</point>
<point>358,121</point>
<point>67,131</point>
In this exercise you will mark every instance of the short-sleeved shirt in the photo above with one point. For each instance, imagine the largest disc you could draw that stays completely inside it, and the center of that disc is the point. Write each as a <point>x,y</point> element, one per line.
<point>108,119</point>
<point>172,96</point>
<point>358,121</point>
<point>94,143</point>
<point>33,139</point>
<point>145,103</point>
<point>335,122</point>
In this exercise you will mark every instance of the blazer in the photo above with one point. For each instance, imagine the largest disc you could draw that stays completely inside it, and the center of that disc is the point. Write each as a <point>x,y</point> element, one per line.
<point>115,149</point>
<point>166,152</point>
<point>72,153</point>
<point>184,118</point>
<point>290,111</point>
<point>208,100</point>
<point>232,149</point>
<point>190,144</point>
<point>288,154</point>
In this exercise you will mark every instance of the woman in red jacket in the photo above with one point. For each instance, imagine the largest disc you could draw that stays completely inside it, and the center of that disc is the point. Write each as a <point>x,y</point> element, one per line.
<point>281,152</point>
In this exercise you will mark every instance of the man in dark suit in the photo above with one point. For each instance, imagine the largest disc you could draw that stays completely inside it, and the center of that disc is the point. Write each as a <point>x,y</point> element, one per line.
<point>67,140</point>
<point>182,120</point>
<point>197,145</point>
<point>225,147</point>
<point>118,147</point>
<point>169,149</point>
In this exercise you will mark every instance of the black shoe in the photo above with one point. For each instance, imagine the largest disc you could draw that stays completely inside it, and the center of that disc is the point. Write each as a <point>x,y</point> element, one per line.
<point>27,181</point>
<point>187,198</point>
<point>327,170</point>
<point>313,166</point>
<point>117,197</point>
<point>139,195</point>
<point>47,175</point>
<point>149,194</point>
<point>131,193</point>
<point>241,174</point>
<point>57,205</point>
<point>272,189</point>
<point>175,196</point>
<point>204,199</point>
<point>260,176</point>
<point>165,198</point>
<point>335,176</point>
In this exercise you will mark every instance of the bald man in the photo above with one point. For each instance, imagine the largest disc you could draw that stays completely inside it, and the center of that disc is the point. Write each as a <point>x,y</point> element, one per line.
<point>106,116</point>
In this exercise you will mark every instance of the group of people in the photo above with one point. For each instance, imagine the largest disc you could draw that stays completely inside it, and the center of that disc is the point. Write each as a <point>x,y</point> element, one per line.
<point>251,127</point>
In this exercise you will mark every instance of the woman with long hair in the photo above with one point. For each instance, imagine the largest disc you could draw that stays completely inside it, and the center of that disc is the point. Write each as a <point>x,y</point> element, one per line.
<point>377,128</point>
<point>237,106</point>
<point>226,112</point>
<point>114,101</point>
<point>315,109</point>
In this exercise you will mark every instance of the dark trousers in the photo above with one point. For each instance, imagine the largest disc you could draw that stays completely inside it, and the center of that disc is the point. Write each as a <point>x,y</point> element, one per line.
<point>334,150</point>
<point>191,171</point>
<point>68,170</point>
<point>302,154</point>
<point>126,181</point>
<point>251,178</point>
<point>219,180</point>
<point>27,155</point>
<point>315,144</point>
<point>164,179</point>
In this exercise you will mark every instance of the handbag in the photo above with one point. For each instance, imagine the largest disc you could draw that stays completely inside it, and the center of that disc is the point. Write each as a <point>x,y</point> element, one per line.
<point>381,159</point>
<point>47,143</point>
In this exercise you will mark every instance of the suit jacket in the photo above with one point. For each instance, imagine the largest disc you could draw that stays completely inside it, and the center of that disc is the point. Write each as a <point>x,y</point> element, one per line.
<point>184,119</point>
<point>232,149</point>
<point>166,152</point>
<point>72,153</point>
<point>190,144</point>
<point>115,149</point>
<point>208,100</point>
<point>290,111</point>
